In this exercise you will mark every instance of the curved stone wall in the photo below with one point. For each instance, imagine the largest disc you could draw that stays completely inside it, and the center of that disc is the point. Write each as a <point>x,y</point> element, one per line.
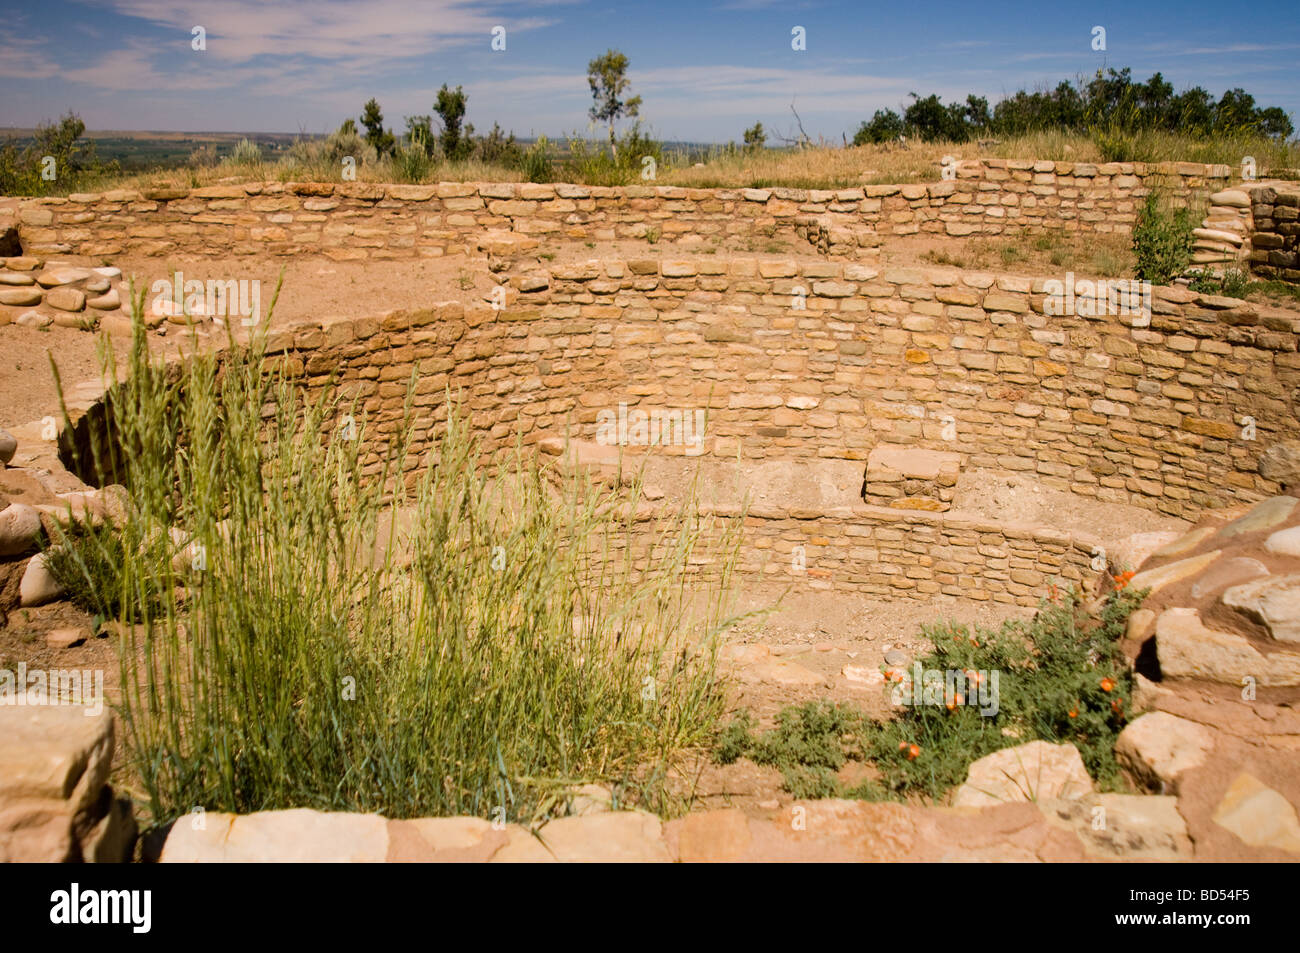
<point>352,220</point>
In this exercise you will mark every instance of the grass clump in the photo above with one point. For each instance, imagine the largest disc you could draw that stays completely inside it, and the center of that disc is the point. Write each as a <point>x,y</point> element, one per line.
<point>342,634</point>
<point>1059,677</point>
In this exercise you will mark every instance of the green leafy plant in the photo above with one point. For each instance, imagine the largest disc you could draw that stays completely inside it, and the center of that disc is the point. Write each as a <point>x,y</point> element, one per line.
<point>1060,678</point>
<point>1162,239</point>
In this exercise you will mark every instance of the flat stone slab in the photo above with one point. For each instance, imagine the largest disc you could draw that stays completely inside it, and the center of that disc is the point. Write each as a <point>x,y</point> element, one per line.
<point>913,463</point>
<point>1185,543</point>
<point>1170,573</point>
<point>1272,602</point>
<point>1124,826</point>
<point>293,836</point>
<point>1264,516</point>
<point>1258,815</point>
<point>1285,542</point>
<point>1037,771</point>
<point>1187,648</point>
<point>616,837</point>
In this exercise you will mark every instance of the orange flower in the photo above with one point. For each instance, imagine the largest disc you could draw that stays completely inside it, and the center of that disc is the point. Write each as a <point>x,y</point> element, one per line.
<point>912,752</point>
<point>974,643</point>
<point>902,746</point>
<point>1074,713</point>
<point>1117,706</point>
<point>1122,579</point>
<point>1107,684</point>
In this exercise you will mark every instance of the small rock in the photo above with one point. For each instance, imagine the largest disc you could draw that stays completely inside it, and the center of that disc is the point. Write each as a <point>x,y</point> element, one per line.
<point>20,297</point>
<point>108,271</point>
<point>1155,749</point>
<point>54,277</point>
<point>863,674</point>
<point>66,299</point>
<point>20,527</point>
<point>105,302</point>
<point>8,446</point>
<point>97,286</point>
<point>15,279</point>
<point>66,638</point>
<point>33,319</point>
<point>38,585</point>
<point>895,657</point>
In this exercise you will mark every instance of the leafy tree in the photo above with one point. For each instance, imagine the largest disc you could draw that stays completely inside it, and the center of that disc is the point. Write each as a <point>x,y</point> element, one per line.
<point>372,118</point>
<point>607,76</point>
<point>885,126</point>
<point>755,137</point>
<point>419,131</point>
<point>456,137</point>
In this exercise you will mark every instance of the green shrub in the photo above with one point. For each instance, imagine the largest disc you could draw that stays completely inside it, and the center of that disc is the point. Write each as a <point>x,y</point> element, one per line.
<point>465,642</point>
<point>246,153</point>
<point>1061,678</point>
<point>535,162</point>
<point>1162,240</point>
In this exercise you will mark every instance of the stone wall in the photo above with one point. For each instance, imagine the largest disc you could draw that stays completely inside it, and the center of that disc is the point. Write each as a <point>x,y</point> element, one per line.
<point>1275,240</point>
<point>353,220</point>
<point>1113,406</point>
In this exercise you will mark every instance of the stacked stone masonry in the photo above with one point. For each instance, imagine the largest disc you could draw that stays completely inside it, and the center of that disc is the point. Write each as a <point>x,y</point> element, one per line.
<point>351,220</point>
<point>1171,414</point>
<point>1275,237</point>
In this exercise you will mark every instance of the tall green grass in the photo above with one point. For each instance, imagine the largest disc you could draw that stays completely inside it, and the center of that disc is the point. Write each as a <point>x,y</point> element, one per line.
<point>471,640</point>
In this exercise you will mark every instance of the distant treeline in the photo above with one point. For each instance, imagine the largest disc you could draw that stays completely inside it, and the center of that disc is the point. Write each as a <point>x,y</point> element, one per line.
<point>1109,101</point>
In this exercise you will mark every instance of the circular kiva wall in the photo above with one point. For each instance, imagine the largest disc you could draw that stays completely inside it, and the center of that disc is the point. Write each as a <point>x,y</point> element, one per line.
<point>1174,409</point>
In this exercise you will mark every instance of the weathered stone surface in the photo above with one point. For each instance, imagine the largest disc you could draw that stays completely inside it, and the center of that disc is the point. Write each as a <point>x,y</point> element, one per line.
<point>1155,749</point>
<point>20,297</point>
<point>1162,576</point>
<point>1184,543</point>
<point>38,585</point>
<point>8,447</point>
<point>1132,551</point>
<point>1037,771</point>
<point>1285,542</point>
<point>614,837</point>
<point>54,762</point>
<point>59,752</point>
<point>443,839</point>
<point>293,836</point>
<point>66,638</point>
<point>1281,462</point>
<point>20,526</point>
<point>1273,602</point>
<point>1229,571</point>
<point>1264,516</point>
<point>1258,815</point>
<point>1124,826</point>
<point>1186,648</point>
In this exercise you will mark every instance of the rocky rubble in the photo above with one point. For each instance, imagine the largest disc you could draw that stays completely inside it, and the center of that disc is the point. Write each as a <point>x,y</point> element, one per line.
<point>36,293</point>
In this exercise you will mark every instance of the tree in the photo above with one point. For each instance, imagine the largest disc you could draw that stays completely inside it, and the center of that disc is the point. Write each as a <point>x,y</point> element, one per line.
<point>419,130</point>
<point>372,118</point>
<point>885,126</point>
<point>450,107</point>
<point>607,76</point>
<point>755,137</point>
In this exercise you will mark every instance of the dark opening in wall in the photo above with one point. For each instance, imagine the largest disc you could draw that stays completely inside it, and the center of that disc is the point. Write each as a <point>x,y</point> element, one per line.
<point>10,247</point>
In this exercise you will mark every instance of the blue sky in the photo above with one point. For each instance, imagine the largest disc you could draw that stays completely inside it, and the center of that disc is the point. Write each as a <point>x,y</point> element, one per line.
<point>706,70</point>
